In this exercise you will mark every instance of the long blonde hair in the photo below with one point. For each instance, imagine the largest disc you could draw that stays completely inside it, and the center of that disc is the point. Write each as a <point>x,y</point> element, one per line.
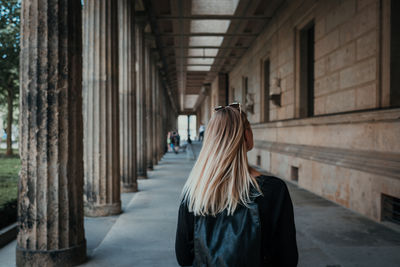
<point>220,178</point>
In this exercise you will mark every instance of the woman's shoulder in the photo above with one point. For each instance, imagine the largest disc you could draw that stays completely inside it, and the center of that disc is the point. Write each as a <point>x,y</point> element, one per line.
<point>269,179</point>
<point>269,183</point>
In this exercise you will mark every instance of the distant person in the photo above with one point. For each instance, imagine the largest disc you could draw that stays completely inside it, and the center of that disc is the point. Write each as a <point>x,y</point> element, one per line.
<point>174,142</point>
<point>202,128</point>
<point>230,214</point>
<point>169,142</point>
<point>178,139</point>
<point>189,150</point>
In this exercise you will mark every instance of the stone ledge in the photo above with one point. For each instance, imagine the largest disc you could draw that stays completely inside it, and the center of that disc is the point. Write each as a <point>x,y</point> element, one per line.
<point>8,234</point>
<point>385,164</point>
<point>342,118</point>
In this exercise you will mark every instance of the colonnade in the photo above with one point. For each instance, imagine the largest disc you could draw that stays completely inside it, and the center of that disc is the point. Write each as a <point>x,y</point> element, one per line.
<point>94,116</point>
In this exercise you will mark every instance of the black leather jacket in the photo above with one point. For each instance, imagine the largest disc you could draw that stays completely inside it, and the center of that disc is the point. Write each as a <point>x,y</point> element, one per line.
<point>278,233</point>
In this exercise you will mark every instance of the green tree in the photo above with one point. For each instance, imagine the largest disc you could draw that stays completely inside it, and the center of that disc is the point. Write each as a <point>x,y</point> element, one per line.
<point>9,61</point>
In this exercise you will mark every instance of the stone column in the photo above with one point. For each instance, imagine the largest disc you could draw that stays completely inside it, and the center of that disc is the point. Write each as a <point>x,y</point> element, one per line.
<point>164,116</point>
<point>140,100</point>
<point>149,104</point>
<point>100,103</point>
<point>127,96</point>
<point>50,197</point>
<point>154,109</point>
<point>162,119</point>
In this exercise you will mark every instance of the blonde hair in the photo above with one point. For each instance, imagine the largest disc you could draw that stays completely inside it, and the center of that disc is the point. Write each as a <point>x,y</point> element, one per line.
<point>220,178</point>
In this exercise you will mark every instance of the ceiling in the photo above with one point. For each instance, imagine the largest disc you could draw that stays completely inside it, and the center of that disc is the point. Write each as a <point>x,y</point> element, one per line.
<point>197,39</point>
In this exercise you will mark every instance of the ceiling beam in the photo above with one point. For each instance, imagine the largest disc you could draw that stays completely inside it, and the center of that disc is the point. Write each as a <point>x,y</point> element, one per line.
<point>200,57</point>
<point>213,17</point>
<point>195,79</point>
<point>201,71</point>
<point>208,34</point>
<point>207,65</point>
<point>205,47</point>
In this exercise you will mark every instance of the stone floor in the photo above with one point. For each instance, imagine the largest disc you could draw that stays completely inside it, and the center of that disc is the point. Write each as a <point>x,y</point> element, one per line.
<point>144,234</point>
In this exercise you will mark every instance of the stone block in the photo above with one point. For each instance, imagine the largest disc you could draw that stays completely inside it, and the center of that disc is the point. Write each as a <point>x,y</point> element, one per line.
<point>252,156</point>
<point>366,45</point>
<point>286,69</point>
<point>327,44</point>
<point>366,96</point>
<point>317,182</point>
<point>280,165</point>
<point>386,136</point>
<point>341,58</point>
<point>281,113</point>
<point>273,114</point>
<point>326,84</point>
<point>361,4</point>
<point>363,22</point>
<point>289,80</point>
<point>287,98</point>
<point>343,12</point>
<point>360,191</point>
<point>290,111</point>
<point>359,73</point>
<point>320,28</point>
<point>295,135</point>
<point>319,105</point>
<point>320,67</point>
<point>332,185</point>
<point>341,101</point>
<point>357,136</point>
<point>268,134</point>
<point>265,160</point>
<point>305,173</point>
<point>286,54</point>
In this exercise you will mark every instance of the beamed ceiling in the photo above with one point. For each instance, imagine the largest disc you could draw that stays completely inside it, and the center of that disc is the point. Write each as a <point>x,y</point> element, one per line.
<point>197,39</point>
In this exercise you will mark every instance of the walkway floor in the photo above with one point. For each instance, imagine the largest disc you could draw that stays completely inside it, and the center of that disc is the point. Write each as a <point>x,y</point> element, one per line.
<point>144,234</point>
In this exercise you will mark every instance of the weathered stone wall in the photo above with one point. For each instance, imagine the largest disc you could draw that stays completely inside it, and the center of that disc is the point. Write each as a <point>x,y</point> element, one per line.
<point>347,83</point>
<point>346,57</point>
<point>348,158</point>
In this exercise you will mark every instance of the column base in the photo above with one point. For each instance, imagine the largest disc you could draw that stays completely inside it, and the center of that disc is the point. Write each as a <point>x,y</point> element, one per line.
<point>102,210</point>
<point>129,188</point>
<point>63,257</point>
<point>142,175</point>
<point>150,168</point>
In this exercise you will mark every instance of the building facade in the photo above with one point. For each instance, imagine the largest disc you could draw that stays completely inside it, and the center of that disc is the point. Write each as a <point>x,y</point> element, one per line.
<point>320,87</point>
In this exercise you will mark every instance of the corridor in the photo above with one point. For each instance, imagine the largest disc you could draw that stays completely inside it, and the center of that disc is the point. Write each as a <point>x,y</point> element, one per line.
<point>103,86</point>
<point>143,235</point>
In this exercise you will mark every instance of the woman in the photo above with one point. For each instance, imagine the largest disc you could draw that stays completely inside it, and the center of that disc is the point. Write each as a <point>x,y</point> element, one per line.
<point>231,215</point>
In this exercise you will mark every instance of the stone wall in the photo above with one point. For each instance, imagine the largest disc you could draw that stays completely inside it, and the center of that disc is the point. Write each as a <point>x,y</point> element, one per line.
<point>349,129</point>
<point>346,57</point>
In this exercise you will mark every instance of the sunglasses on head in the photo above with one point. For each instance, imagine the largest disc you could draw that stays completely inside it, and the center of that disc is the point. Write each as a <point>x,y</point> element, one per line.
<point>233,105</point>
